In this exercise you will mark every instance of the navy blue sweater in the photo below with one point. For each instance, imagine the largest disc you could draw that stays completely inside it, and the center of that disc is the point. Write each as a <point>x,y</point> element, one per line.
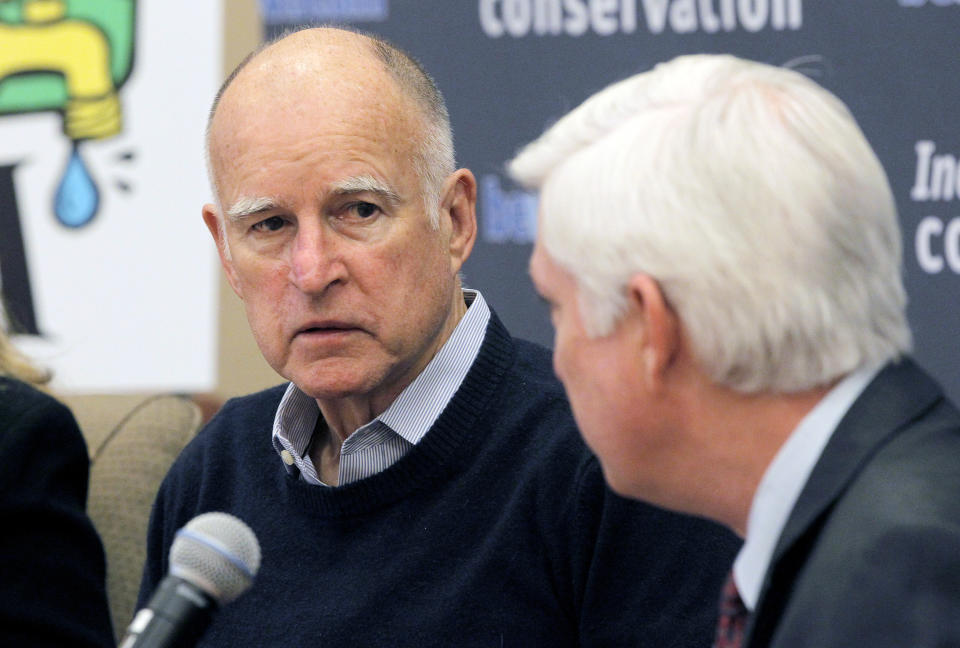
<point>495,530</point>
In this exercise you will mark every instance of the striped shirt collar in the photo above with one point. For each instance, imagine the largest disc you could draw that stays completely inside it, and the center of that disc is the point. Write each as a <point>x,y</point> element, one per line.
<point>409,417</point>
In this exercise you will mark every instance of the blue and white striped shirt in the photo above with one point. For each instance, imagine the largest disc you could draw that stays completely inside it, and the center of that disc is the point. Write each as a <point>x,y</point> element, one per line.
<point>379,444</point>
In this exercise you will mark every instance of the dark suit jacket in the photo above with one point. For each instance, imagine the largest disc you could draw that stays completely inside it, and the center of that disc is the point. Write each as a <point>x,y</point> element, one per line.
<point>52,590</point>
<point>870,555</point>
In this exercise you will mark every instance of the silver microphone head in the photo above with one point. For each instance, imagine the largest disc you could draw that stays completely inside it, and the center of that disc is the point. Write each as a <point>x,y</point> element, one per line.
<point>218,553</point>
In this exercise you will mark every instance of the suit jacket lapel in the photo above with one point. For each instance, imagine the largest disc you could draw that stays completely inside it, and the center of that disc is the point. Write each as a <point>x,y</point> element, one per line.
<point>896,396</point>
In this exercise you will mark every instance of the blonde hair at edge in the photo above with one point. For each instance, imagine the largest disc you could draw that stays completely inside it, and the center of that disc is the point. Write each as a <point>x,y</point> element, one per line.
<point>14,364</point>
<point>752,197</point>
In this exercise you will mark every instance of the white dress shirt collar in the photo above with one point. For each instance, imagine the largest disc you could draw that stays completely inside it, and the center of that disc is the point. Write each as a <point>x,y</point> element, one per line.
<point>785,478</point>
<point>403,424</point>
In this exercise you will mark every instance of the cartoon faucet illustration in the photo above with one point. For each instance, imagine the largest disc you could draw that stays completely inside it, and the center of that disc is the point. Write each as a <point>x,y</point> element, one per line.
<point>48,41</point>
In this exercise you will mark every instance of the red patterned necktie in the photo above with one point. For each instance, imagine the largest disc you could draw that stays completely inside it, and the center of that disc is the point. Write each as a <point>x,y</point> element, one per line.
<point>732,621</point>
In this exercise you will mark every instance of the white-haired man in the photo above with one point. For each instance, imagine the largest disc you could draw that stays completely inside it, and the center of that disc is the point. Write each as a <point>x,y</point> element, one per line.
<point>420,481</point>
<point>720,250</point>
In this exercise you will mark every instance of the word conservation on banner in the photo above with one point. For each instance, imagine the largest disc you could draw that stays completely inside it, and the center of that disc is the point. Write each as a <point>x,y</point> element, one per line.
<point>519,18</point>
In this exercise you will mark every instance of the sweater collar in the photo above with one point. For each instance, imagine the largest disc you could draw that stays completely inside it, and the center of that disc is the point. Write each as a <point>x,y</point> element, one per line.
<point>444,451</point>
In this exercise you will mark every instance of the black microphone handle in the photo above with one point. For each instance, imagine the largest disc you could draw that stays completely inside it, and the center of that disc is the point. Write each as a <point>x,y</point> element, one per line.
<point>175,617</point>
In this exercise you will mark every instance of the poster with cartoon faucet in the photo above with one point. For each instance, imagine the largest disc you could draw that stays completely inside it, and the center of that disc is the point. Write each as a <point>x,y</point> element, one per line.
<point>73,58</point>
<point>68,104</point>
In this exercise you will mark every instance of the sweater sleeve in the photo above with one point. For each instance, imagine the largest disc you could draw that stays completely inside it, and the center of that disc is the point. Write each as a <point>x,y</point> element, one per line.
<point>645,577</point>
<point>52,572</point>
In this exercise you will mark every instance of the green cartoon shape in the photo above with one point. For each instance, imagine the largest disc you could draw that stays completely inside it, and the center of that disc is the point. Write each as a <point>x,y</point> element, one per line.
<point>71,56</point>
<point>67,55</point>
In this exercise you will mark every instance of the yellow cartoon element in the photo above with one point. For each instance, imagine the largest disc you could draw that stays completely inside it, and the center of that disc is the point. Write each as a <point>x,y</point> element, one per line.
<point>77,49</point>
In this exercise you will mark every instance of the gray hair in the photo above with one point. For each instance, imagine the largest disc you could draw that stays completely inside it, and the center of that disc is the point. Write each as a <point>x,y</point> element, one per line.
<point>752,197</point>
<point>434,157</point>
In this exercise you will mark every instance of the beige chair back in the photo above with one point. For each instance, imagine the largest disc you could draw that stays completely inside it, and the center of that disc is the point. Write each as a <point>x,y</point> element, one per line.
<point>132,441</point>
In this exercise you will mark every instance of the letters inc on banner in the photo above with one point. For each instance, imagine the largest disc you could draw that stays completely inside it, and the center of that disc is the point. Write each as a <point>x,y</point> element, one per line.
<point>519,18</point>
<point>937,241</point>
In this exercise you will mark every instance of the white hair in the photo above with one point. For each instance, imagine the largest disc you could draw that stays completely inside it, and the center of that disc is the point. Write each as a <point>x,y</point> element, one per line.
<point>751,196</point>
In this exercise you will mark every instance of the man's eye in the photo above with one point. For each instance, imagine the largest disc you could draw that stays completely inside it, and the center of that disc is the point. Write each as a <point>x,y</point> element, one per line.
<point>364,210</point>
<point>271,224</point>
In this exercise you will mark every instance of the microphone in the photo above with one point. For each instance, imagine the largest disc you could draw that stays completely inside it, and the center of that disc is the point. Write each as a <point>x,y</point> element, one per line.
<point>213,560</point>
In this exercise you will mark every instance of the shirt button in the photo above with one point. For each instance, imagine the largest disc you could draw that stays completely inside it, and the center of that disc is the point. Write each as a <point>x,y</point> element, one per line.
<point>287,457</point>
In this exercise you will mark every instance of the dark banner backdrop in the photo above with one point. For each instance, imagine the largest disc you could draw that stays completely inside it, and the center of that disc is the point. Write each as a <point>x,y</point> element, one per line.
<point>508,68</point>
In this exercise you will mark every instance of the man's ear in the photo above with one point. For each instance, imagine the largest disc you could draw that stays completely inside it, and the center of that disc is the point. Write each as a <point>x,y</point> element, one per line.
<point>212,220</point>
<point>661,328</point>
<point>458,204</point>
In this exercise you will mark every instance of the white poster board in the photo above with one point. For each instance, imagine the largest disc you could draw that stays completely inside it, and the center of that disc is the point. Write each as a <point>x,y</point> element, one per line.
<point>126,302</point>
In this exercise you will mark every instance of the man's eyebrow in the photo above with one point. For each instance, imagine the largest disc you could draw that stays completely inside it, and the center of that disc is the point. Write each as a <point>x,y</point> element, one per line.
<point>365,184</point>
<point>247,206</point>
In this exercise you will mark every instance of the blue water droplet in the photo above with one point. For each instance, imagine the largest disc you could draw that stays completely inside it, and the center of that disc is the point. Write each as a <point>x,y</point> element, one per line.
<point>77,196</point>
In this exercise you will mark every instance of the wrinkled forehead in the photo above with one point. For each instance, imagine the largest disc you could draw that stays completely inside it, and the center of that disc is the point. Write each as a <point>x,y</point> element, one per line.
<point>286,95</point>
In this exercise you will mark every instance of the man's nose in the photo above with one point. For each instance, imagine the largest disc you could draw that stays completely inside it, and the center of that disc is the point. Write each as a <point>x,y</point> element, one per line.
<point>316,261</point>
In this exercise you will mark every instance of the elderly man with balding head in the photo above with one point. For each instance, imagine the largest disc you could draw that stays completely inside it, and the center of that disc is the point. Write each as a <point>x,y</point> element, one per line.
<point>419,481</point>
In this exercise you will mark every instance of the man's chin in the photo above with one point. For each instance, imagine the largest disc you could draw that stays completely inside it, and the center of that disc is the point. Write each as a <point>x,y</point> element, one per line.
<point>327,384</point>
<point>330,392</point>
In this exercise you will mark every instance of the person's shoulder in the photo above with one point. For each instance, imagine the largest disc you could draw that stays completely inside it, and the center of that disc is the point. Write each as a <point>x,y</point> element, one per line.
<point>234,430</point>
<point>903,496</point>
<point>893,531</point>
<point>914,477</point>
<point>897,446</point>
<point>535,356</point>
<point>23,407</point>
<point>537,415</point>
<point>35,430</point>
<point>18,397</point>
<point>534,364</point>
<point>528,382</point>
<point>530,410</point>
<point>256,406</point>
